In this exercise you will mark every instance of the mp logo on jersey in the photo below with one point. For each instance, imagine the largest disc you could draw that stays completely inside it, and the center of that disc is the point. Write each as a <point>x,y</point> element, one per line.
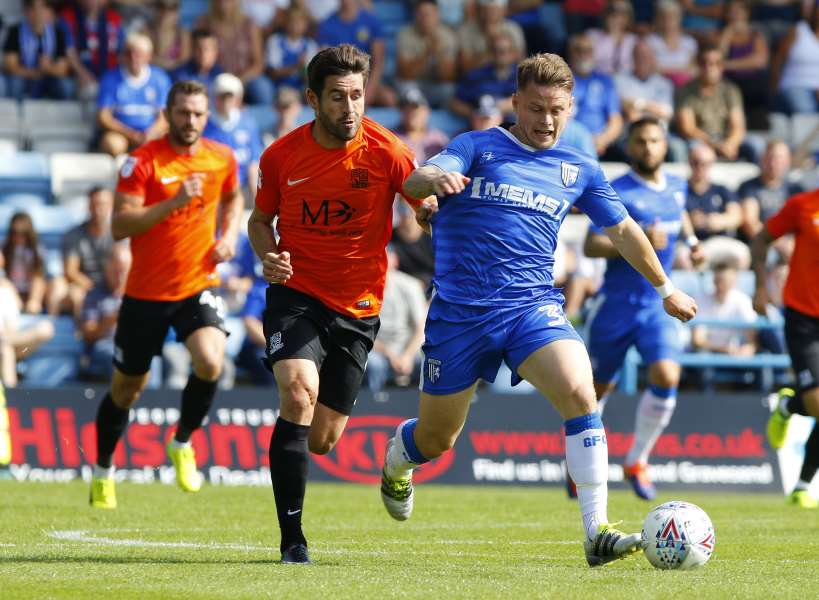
<point>568,174</point>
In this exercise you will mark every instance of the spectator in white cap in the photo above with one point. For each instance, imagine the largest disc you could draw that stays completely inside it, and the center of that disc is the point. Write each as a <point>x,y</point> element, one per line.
<point>234,127</point>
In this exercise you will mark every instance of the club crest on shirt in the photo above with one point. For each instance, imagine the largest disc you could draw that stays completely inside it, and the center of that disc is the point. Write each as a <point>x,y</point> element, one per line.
<point>486,157</point>
<point>568,174</point>
<point>127,168</point>
<point>433,370</point>
<point>359,178</point>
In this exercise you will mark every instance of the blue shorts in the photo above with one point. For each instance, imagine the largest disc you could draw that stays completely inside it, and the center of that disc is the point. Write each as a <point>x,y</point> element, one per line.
<point>467,343</point>
<point>616,324</point>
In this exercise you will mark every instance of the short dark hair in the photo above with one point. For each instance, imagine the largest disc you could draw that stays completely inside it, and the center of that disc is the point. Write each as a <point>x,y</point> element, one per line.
<point>185,87</point>
<point>708,47</point>
<point>201,33</point>
<point>644,122</point>
<point>336,61</point>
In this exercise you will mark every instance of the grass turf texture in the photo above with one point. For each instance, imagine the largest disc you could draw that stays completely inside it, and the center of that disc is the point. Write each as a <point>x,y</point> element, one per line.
<point>462,542</point>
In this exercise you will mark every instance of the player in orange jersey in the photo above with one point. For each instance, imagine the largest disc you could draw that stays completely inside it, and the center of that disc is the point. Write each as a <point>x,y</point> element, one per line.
<point>332,184</point>
<point>167,201</point>
<point>799,216</point>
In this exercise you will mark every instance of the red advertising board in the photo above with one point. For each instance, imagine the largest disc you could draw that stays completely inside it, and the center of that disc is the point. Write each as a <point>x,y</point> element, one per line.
<point>713,442</point>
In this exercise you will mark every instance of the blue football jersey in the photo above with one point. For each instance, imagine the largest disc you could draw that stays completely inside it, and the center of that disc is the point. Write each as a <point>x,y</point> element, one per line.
<point>647,204</point>
<point>242,134</point>
<point>135,102</point>
<point>495,241</point>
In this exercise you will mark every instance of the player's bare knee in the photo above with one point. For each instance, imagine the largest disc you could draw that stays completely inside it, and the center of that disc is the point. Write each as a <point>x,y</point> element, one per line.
<point>207,368</point>
<point>321,443</point>
<point>298,394</point>
<point>580,400</point>
<point>125,396</point>
<point>811,400</point>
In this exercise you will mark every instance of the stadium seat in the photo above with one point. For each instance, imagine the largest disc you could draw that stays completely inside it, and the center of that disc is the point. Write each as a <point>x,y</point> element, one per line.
<point>8,147</point>
<point>190,10</point>
<point>388,117</point>
<point>265,118</point>
<point>9,120</point>
<point>236,329</point>
<point>804,124</point>
<point>56,361</point>
<point>51,222</point>
<point>55,126</point>
<point>25,172</point>
<point>73,174</point>
<point>729,174</point>
<point>446,122</point>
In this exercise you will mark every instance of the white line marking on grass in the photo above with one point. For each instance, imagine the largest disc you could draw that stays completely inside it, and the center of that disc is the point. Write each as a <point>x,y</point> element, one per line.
<point>8,545</point>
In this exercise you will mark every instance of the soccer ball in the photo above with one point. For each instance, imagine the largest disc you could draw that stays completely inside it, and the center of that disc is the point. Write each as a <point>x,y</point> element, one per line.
<point>678,535</point>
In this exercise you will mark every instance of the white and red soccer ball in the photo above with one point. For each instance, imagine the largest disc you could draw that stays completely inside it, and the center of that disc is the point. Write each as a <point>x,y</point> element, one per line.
<point>678,535</point>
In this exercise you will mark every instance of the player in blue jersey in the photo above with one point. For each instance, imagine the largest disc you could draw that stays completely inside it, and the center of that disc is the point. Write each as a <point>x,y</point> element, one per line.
<point>626,311</point>
<point>502,195</point>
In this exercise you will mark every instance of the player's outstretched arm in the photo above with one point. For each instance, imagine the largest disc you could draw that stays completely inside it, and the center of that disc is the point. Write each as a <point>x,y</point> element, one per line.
<point>276,267</point>
<point>634,246</point>
<point>759,256</point>
<point>430,180</point>
<point>131,217</point>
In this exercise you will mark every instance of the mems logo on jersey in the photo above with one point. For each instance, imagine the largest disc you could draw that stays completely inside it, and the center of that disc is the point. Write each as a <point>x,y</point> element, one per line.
<point>521,196</point>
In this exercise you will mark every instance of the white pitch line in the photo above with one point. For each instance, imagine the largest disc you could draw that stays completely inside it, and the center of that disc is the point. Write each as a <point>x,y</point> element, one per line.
<point>8,545</point>
<point>88,537</point>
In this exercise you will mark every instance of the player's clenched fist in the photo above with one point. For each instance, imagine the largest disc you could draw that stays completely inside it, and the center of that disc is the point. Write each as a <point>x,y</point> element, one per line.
<point>192,187</point>
<point>276,268</point>
<point>449,183</point>
<point>680,306</point>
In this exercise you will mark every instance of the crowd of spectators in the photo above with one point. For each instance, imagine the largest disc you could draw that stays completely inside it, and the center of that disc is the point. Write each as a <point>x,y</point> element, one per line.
<point>712,72</point>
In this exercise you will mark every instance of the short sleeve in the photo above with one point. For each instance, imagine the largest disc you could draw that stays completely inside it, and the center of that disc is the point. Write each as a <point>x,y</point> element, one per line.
<point>457,156</point>
<point>787,219</point>
<point>403,163</point>
<point>729,195</point>
<point>734,96</point>
<point>135,174</point>
<point>69,244</point>
<point>600,202</point>
<point>267,187</point>
<point>232,177</point>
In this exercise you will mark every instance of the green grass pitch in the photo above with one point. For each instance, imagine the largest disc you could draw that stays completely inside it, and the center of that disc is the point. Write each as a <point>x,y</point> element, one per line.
<point>462,542</point>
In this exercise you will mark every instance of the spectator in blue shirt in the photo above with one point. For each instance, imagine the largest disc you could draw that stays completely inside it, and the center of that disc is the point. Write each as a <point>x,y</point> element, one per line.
<point>234,127</point>
<point>131,99</point>
<point>202,66</point>
<point>497,79</point>
<point>361,28</point>
<point>288,53</point>
<point>35,56</point>
<point>596,103</point>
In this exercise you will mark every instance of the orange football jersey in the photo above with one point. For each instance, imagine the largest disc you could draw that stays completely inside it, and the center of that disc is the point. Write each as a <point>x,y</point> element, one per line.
<point>335,212</point>
<point>172,260</point>
<point>800,216</point>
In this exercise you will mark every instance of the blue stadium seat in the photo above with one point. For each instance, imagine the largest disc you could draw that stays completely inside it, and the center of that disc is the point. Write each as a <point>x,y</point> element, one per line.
<point>265,117</point>
<point>393,15</point>
<point>56,361</point>
<point>25,172</point>
<point>447,122</point>
<point>189,11</point>
<point>388,117</point>
<point>51,222</point>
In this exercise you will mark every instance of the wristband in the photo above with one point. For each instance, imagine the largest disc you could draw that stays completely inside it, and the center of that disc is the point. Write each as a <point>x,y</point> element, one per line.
<point>665,290</point>
<point>691,241</point>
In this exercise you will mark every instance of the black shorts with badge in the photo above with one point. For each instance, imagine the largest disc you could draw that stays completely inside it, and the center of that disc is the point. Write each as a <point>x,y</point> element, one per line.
<point>802,339</point>
<point>142,326</point>
<point>299,326</point>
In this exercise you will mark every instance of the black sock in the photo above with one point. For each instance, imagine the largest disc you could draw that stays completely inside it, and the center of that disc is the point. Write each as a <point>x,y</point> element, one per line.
<point>288,470</point>
<point>197,398</point>
<point>111,422</point>
<point>795,405</point>
<point>811,463</point>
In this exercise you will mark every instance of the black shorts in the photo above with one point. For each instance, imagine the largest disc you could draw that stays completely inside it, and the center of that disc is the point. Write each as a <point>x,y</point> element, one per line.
<point>143,325</point>
<point>802,338</point>
<point>299,326</point>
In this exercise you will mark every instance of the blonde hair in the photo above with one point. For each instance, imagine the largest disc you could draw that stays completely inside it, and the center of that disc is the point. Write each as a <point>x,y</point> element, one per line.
<point>137,39</point>
<point>545,69</point>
